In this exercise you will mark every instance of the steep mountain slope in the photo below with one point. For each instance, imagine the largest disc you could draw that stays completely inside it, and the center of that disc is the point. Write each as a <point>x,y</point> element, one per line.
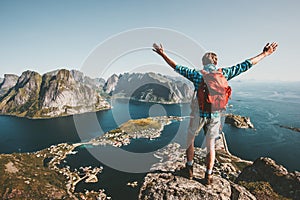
<point>9,81</point>
<point>149,87</point>
<point>54,94</point>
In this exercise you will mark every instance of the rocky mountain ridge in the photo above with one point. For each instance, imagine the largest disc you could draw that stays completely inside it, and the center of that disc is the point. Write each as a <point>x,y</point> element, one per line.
<point>65,92</point>
<point>149,87</point>
<point>54,94</point>
<point>95,83</point>
<point>234,178</point>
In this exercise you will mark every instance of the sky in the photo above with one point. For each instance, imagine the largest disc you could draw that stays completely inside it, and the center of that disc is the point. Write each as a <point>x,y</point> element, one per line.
<point>48,35</point>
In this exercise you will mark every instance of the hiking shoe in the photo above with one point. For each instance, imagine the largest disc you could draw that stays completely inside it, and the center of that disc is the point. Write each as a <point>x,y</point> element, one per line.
<point>189,169</point>
<point>208,179</point>
<point>186,171</point>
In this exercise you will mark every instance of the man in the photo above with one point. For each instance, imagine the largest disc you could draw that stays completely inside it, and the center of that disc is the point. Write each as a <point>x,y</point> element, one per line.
<point>210,121</point>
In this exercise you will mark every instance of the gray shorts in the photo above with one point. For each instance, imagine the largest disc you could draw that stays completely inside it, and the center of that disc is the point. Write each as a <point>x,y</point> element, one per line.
<point>211,126</point>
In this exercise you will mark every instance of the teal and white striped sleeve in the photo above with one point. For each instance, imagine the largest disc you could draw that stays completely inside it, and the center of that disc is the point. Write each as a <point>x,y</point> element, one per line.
<point>191,74</point>
<point>231,72</point>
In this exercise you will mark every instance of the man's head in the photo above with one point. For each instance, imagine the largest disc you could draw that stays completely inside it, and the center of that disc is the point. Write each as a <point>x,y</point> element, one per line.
<point>210,58</point>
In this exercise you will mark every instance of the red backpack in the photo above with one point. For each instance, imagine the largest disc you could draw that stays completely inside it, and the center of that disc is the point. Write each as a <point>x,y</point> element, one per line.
<point>213,92</point>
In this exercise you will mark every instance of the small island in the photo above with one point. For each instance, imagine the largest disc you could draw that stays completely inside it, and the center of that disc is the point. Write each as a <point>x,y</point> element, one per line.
<point>133,129</point>
<point>290,128</point>
<point>238,121</point>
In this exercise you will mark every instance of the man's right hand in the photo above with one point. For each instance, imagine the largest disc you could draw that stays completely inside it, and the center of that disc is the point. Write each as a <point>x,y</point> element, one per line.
<point>270,48</point>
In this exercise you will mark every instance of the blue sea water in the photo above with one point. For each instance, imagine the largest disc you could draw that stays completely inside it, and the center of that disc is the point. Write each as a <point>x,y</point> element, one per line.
<point>269,105</point>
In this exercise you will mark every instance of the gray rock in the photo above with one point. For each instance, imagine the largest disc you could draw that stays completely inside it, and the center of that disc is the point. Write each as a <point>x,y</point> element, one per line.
<point>290,128</point>
<point>240,193</point>
<point>238,121</point>
<point>52,73</point>
<point>95,83</point>
<point>266,171</point>
<point>8,82</point>
<point>21,98</point>
<point>77,75</point>
<point>167,186</point>
<point>163,181</point>
<point>149,87</point>
<point>68,96</point>
<point>111,83</point>
<point>54,94</point>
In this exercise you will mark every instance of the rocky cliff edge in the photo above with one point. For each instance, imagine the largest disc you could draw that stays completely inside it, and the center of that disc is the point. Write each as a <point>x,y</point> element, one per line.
<point>234,178</point>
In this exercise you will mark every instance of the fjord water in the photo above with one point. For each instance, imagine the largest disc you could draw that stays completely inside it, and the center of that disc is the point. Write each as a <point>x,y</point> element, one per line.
<point>269,105</point>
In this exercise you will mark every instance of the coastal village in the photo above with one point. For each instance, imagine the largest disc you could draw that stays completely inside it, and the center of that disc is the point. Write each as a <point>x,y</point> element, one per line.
<point>142,128</point>
<point>133,129</point>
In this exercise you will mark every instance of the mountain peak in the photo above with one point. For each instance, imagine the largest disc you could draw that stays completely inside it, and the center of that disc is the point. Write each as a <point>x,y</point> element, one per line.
<point>149,87</point>
<point>54,94</point>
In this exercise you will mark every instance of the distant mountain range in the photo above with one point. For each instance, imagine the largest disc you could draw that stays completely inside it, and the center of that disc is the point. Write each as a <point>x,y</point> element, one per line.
<point>63,92</point>
<point>149,87</point>
<point>53,94</point>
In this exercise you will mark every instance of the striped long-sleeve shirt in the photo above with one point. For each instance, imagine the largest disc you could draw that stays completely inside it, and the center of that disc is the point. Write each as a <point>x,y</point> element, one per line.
<point>196,77</point>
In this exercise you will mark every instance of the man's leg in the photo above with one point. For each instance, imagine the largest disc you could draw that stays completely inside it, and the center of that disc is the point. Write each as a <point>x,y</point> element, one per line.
<point>192,130</point>
<point>211,154</point>
<point>190,149</point>
<point>188,170</point>
<point>196,123</point>
<point>211,133</point>
<point>210,160</point>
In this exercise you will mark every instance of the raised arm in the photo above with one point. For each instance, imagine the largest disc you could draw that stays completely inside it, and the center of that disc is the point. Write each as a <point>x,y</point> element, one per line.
<point>268,50</point>
<point>160,51</point>
<point>231,72</point>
